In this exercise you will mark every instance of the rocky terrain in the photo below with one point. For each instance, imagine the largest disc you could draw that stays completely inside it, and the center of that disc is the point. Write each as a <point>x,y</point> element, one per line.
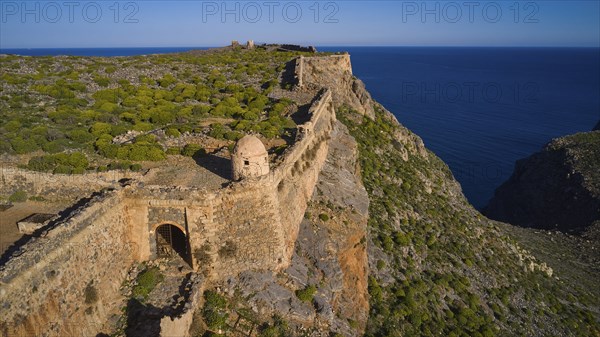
<point>556,193</point>
<point>557,188</point>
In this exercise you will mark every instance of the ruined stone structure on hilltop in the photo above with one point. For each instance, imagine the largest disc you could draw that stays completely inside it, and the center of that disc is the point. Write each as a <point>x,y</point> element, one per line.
<point>250,224</point>
<point>249,158</point>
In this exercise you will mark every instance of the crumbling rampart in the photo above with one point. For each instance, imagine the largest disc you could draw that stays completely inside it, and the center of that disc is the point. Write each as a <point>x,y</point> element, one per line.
<point>66,281</point>
<point>58,186</point>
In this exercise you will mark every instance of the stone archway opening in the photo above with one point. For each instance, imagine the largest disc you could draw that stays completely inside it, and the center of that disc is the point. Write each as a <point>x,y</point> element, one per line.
<point>171,242</point>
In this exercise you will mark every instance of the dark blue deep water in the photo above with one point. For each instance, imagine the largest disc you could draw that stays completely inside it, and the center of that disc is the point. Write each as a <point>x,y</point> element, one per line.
<point>479,109</point>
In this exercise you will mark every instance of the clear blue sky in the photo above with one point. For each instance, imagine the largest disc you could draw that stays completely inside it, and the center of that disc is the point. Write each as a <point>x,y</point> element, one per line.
<point>71,23</point>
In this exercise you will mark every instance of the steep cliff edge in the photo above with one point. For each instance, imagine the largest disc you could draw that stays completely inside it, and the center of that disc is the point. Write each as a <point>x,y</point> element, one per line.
<point>437,267</point>
<point>557,188</point>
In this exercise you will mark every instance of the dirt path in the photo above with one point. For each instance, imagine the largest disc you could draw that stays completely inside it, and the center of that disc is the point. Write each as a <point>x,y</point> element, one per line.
<point>9,233</point>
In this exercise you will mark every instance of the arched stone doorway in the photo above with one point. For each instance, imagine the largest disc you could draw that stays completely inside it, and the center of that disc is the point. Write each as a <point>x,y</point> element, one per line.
<point>171,241</point>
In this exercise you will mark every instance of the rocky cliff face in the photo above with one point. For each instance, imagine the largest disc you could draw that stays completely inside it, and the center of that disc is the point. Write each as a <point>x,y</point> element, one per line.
<point>335,72</point>
<point>557,188</point>
<point>435,265</point>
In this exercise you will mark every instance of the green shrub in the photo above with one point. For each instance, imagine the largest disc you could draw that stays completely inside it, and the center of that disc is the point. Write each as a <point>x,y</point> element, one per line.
<point>100,128</point>
<point>214,310</point>
<point>324,217</point>
<point>62,169</point>
<point>306,294</point>
<point>232,135</point>
<point>66,163</point>
<point>80,136</point>
<point>119,165</point>
<point>147,280</point>
<point>18,196</point>
<point>278,329</point>
<point>190,150</point>
<point>174,151</point>
<point>56,146</point>
<point>136,167</point>
<point>12,126</point>
<point>217,131</point>
<point>167,80</point>
<point>172,132</point>
<point>102,81</point>
<point>22,146</point>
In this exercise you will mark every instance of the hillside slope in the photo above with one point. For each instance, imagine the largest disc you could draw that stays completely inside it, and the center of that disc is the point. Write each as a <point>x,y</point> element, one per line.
<point>440,268</point>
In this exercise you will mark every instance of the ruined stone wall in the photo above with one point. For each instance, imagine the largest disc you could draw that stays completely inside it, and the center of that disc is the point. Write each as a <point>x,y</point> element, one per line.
<point>58,186</point>
<point>251,224</point>
<point>298,174</point>
<point>247,231</point>
<point>65,282</point>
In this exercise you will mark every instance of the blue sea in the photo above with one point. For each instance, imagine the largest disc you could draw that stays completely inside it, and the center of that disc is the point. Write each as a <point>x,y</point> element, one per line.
<point>479,109</point>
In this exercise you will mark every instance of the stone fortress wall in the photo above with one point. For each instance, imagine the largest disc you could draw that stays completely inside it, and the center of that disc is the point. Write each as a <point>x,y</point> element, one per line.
<point>58,186</point>
<point>66,282</point>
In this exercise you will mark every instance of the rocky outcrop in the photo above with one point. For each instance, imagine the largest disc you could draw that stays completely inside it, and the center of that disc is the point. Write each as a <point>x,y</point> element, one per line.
<point>557,188</point>
<point>335,72</point>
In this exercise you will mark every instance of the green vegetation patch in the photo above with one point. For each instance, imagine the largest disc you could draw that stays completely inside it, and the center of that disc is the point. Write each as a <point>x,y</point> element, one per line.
<point>214,312</point>
<point>307,294</point>
<point>66,163</point>
<point>18,196</point>
<point>147,280</point>
<point>82,103</point>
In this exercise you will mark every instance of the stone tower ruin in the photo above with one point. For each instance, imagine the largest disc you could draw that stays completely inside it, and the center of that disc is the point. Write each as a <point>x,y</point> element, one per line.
<point>249,159</point>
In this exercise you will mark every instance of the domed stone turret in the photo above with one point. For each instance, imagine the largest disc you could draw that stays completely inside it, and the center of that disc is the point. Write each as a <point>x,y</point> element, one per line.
<point>249,158</point>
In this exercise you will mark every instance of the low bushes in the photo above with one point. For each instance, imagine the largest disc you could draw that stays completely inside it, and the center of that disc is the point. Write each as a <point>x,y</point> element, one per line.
<point>146,282</point>
<point>66,163</point>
